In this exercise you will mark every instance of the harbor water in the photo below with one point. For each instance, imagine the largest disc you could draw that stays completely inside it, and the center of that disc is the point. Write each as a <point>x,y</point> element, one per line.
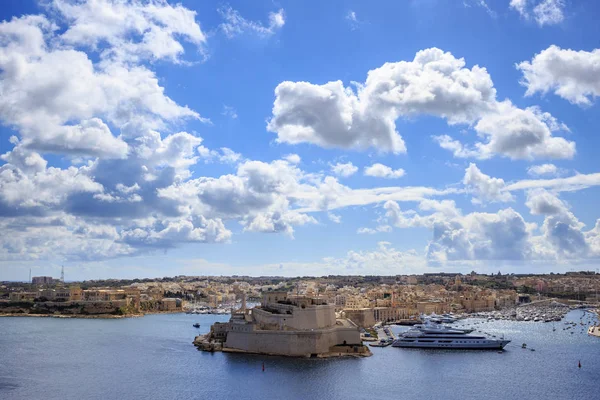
<point>153,358</point>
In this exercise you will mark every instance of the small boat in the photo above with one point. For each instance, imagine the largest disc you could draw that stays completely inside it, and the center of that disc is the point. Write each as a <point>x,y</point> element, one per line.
<point>196,325</point>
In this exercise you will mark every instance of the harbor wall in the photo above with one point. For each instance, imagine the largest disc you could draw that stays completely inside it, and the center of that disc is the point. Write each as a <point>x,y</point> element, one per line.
<point>291,343</point>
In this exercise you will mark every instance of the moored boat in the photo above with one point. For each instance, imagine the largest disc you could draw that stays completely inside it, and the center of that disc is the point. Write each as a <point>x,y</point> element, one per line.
<point>441,337</point>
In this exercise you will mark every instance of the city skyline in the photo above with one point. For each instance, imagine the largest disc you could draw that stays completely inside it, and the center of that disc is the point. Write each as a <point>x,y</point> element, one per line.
<point>151,139</point>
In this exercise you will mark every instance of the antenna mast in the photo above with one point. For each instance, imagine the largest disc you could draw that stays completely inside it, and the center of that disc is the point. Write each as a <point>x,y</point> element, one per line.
<point>62,274</point>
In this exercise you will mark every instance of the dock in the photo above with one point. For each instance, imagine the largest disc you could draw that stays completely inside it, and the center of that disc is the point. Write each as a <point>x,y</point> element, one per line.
<point>385,335</point>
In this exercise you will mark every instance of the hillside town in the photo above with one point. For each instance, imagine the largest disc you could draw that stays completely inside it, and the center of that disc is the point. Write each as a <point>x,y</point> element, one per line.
<point>365,300</point>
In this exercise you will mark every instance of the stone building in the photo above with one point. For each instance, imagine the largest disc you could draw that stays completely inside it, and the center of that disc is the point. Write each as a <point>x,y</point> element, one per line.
<point>288,325</point>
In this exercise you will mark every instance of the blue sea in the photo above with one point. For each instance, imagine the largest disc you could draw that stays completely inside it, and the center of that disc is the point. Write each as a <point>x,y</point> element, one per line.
<point>153,358</point>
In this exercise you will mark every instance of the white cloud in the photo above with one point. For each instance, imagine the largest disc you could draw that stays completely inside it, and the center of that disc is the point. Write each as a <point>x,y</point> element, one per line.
<point>379,229</point>
<point>133,30</point>
<point>229,156</point>
<point>486,188</point>
<point>351,16</point>
<point>521,134</point>
<point>383,171</point>
<point>457,148</point>
<point>561,229</point>
<point>60,101</point>
<point>274,222</point>
<point>236,25</point>
<point>352,19</point>
<point>504,235</point>
<point>520,6</point>
<point>542,202</point>
<point>229,112</point>
<point>481,236</point>
<point>73,89</point>
<point>292,158</point>
<point>434,83</point>
<point>21,191</point>
<point>543,169</point>
<point>545,12</point>
<point>385,260</point>
<point>335,218</point>
<point>549,12</point>
<point>572,75</point>
<point>257,196</point>
<point>344,169</point>
<point>571,183</point>
<point>481,3</point>
<point>63,87</point>
<point>170,232</point>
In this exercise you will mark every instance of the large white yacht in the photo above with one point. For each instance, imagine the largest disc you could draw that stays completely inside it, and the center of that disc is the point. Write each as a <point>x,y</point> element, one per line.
<point>436,336</point>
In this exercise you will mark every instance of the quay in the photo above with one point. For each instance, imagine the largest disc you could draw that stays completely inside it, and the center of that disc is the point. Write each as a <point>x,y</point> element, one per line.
<point>385,335</point>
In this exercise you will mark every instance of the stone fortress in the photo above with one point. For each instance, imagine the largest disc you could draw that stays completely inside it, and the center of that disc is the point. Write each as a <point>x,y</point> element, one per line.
<point>298,326</point>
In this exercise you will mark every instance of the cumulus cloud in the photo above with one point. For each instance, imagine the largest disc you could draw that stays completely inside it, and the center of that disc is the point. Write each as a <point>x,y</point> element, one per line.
<point>504,235</point>
<point>34,190</point>
<point>384,260</point>
<point>542,202</point>
<point>457,148</point>
<point>292,158</point>
<point>543,169</point>
<point>544,12</point>
<point>521,134</point>
<point>75,90</point>
<point>335,218</point>
<point>572,75</point>
<point>561,229</point>
<point>60,101</point>
<point>484,187</point>
<point>77,82</point>
<point>371,231</point>
<point>344,169</point>
<point>132,30</point>
<point>257,196</point>
<point>481,236</point>
<point>383,171</point>
<point>234,24</point>
<point>433,83</point>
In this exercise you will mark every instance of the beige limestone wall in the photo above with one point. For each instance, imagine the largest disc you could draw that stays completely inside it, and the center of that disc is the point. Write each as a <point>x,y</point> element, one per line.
<point>318,317</point>
<point>291,343</point>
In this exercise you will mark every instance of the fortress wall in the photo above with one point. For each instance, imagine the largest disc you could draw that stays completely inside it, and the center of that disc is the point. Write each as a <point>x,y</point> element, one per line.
<point>319,317</point>
<point>291,343</point>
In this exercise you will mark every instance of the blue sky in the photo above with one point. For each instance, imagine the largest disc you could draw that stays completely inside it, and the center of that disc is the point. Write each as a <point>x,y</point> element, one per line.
<point>144,139</point>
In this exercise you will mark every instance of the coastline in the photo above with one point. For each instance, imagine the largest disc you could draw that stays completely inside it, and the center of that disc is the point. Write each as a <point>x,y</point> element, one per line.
<point>82,316</point>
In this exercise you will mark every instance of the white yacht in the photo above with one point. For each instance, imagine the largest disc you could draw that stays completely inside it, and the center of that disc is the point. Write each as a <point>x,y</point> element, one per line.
<point>435,336</point>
